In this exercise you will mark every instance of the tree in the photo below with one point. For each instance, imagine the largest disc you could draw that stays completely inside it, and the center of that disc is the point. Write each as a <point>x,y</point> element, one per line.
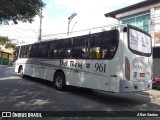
<point>4,40</point>
<point>7,42</point>
<point>19,10</point>
<point>10,45</point>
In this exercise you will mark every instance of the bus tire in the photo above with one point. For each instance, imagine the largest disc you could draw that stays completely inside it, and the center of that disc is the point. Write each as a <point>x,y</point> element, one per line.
<point>59,81</point>
<point>21,74</point>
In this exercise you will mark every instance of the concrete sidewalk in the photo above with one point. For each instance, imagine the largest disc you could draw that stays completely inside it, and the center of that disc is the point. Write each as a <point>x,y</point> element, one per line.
<point>155,94</point>
<point>3,66</point>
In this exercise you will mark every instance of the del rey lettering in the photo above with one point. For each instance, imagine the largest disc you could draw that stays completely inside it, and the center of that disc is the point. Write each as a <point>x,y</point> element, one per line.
<point>71,64</point>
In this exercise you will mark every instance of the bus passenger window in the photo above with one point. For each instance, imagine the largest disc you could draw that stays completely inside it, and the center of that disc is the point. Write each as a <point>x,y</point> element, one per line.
<point>56,53</point>
<point>84,54</point>
<point>64,53</point>
<point>95,52</point>
<point>51,53</point>
<point>113,51</point>
<point>107,53</point>
<point>77,53</point>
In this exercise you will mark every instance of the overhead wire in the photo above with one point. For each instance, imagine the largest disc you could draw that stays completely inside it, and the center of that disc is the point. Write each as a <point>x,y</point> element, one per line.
<point>32,29</point>
<point>48,35</point>
<point>92,28</point>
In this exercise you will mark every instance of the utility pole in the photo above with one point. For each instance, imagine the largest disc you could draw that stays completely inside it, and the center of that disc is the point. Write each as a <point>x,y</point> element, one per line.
<point>40,26</point>
<point>69,21</point>
<point>73,27</point>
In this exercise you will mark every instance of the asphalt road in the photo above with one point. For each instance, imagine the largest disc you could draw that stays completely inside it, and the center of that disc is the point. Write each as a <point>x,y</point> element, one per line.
<point>30,94</point>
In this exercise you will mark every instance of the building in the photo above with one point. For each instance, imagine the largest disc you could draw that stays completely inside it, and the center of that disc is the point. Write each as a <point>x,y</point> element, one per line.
<point>145,15</point>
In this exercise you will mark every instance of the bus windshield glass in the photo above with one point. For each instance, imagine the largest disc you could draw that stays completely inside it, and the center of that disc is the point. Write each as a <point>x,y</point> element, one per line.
<point>15,53</point>
<point>139,42</point>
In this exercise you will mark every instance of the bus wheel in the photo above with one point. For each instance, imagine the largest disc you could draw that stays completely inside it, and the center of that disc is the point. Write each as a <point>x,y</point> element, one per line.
<point>59,81</point>
<point>21,74</point>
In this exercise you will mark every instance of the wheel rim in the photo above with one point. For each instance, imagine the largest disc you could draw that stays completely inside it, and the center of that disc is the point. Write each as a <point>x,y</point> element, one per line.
<point>59,81</point>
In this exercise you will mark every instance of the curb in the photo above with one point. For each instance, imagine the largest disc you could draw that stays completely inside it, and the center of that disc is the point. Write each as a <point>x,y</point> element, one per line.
<point>154,94</point>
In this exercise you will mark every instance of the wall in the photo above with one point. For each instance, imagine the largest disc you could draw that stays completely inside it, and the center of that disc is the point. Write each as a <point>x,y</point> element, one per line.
<point>142,21</point>
<point>157,25</point>
<point>147,18</point>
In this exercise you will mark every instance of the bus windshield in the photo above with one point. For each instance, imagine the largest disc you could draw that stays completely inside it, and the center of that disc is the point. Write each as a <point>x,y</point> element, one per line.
<point>15,53</point>
<point>139,42</point>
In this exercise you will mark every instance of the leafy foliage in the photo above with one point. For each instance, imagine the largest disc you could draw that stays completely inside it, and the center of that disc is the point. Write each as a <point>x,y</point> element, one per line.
<point>7,42</point>
<point>10,45</point>
<point>4,40</point>
<point>19,10</point>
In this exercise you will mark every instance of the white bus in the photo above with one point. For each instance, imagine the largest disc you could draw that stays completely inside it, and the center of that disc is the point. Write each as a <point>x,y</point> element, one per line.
<point>114,59</point>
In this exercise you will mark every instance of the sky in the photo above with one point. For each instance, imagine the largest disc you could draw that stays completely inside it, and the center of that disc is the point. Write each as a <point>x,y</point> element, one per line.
<point>90,13</point>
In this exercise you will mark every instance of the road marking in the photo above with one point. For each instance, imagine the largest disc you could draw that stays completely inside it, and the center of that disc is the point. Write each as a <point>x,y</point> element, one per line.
<point>8,78</point>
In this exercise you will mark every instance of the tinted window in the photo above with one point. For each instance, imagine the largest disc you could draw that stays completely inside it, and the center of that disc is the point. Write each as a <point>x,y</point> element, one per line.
<point>65,48</point>
<point>25,51</point>
<point>16,53</point>
<point>97,46</point>
<point>40,50</point>
<point>34,51</point>
<point>104,44</point>
<point>80,47</point>
<point>53,49</point>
